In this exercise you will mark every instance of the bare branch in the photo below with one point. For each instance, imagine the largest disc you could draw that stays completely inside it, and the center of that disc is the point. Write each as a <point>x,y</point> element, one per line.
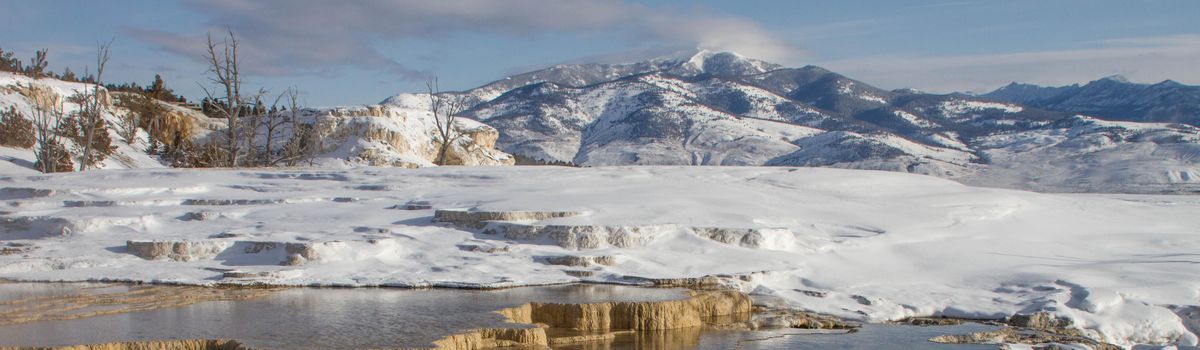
<point>223,64</point>
<point>94,106</point>
<point>445,109</point>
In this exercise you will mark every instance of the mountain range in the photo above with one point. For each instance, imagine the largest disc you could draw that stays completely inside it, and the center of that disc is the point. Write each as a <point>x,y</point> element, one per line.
<point>721,108</point>
<point>1113,98</point>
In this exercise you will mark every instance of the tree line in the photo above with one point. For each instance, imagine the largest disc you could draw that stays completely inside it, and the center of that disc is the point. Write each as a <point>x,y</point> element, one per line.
<point>38,68</point>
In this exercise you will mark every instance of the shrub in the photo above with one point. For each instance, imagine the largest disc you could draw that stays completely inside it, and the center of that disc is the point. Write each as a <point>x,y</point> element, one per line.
<point>75,128</point>
<point>58,152</point>
<point>15,130</point>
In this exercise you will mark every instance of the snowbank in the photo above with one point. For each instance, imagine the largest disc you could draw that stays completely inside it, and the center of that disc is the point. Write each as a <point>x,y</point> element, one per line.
<point>866,245</point>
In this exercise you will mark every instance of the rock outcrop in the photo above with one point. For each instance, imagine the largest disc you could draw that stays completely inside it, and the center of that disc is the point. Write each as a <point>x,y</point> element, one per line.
<point>275,253</point>
<point>517,225</point>
<point>35,227</point>
<point>494,338</point>
<point>299,253</point>
<point>579,237</point>
<point>401,137</point>
<point>177,250</point>
<point>8,193</point>
<point>478,219</point>
<point>580,261</point>
<point>1041,330</point>
<point>1038,338</point>
<point>13,248</point>
<point>787,318</point>
<point>557,323</point>
<point>1039,320</point>
<point>639,316</point>
<point>764,238</point>
<point>484,248</point>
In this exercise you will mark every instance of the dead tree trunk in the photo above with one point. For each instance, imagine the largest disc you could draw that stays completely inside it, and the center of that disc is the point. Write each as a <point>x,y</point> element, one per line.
<point>48,118</point>
<point>223,65</point>
<point>95,106</point>
<point>445,109</point>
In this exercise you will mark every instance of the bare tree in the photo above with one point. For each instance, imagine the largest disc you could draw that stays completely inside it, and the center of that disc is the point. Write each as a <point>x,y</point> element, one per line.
<point>273,125</point>
<point>301,145</point>
<point>48,116</point>
<point>254,117</point>
<point>445,109</point>
<point>94,106</point>
<point>223,65</point>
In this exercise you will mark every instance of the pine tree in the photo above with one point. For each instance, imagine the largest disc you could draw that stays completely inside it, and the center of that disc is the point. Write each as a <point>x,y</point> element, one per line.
<point>8,63</point>
<point>68,75</point>
<point>37,64</point>
<point>158,89</point>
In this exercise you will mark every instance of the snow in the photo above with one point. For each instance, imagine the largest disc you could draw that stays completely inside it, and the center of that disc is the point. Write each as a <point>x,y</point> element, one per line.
<point>784,131</point>
<point>949,139</point>
<point>880,246</point>
<point>966,110</point>
<point>914,119</point>
<point>964,106</point>
<point>872,98</point>
<point>847,88</point>
<point>1104,156</point>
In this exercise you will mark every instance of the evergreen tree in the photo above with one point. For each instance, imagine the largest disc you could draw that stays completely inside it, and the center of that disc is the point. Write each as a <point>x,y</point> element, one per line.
<point>68,75</point>
<point>37,64</point>
<point>8,63</point>
<point>158,89</point>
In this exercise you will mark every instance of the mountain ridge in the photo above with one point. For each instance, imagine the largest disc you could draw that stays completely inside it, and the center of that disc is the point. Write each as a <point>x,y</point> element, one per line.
<point>1112,97</point>
<point>721,108</point>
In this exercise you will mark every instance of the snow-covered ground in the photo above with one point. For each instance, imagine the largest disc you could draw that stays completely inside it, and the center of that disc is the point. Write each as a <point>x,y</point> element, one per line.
<point>867,245</point>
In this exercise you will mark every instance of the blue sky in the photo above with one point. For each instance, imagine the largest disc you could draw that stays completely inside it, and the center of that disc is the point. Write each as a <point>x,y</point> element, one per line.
<point>358,52</point>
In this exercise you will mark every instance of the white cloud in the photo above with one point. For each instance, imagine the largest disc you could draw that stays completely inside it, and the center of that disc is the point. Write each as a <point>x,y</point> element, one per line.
<point>1145,59</point>
<point>296,36</point>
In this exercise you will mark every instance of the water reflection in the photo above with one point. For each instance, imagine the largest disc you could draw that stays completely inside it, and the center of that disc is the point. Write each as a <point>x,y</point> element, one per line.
<point>306,317</point>
<point>388,318</point>
<point>872,337</point>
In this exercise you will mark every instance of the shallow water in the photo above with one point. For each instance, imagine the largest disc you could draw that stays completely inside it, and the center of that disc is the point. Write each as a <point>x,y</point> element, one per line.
<point>869,337</point>
<point>376,318</point>
<point>310,317</point>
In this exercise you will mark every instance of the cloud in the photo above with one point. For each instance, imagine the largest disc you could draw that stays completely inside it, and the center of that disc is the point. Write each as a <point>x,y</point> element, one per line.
<point>282,37</point>
<point>1142,59</point>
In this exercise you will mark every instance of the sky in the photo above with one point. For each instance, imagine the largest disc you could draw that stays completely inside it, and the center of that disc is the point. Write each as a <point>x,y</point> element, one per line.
<point>360,52</point>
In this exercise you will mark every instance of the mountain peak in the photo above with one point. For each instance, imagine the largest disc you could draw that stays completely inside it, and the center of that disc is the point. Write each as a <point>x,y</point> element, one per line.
<point>723,63</point>
<point>1116,78</point>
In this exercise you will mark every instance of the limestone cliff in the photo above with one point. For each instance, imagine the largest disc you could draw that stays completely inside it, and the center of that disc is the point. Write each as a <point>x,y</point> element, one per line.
<point>572,323</point>
<point>402,137</point>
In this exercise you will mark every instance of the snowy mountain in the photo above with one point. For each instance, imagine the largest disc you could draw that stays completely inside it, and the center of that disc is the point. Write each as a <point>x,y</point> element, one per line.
<point>721,108</point>
<point>1113,98</point>
<point>687,63</point>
